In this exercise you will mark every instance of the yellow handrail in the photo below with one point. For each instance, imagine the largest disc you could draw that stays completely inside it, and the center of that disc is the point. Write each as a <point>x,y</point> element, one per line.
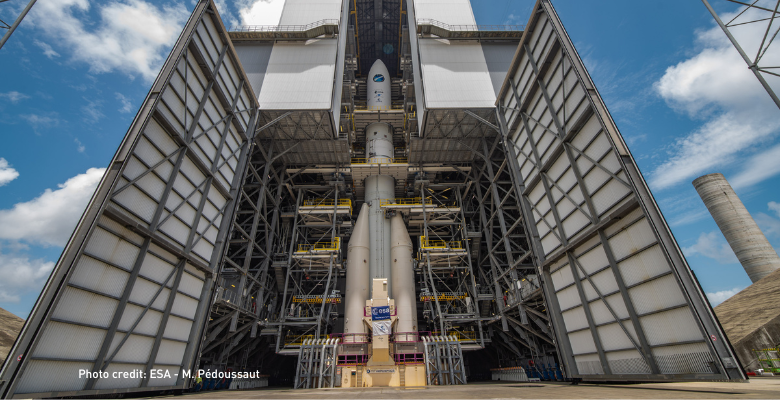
<point>297,340</point>
<point>426,243</point>
<point>320,246</point>
<point>405,201</point>
<point>328,203</point>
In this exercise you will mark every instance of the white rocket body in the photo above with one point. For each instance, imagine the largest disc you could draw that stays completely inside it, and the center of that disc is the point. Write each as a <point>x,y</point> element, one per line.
<point>378,87</point>
<point>380,247</point>
<point>357,279</point>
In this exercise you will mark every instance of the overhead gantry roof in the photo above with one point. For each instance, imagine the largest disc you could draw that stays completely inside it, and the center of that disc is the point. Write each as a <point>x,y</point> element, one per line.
<point>378,26</point>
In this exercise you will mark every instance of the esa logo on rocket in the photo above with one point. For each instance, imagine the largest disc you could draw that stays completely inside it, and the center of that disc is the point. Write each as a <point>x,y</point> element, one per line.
<point>378,87</point>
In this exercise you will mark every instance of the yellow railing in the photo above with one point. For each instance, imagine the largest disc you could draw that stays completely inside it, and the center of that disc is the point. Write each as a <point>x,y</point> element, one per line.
<point>414,201</point>
<point>315,299</point>
<point>297,340</point>
<point>320,246</point>
<point>380,160</point>
<point>405,201</point>
<point>434,244</point>
<point>463,336</point>
<point>328,203</point>
<point>443,296</point>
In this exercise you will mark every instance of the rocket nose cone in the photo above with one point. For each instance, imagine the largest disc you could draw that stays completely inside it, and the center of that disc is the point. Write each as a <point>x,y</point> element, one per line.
<point>378,72</point>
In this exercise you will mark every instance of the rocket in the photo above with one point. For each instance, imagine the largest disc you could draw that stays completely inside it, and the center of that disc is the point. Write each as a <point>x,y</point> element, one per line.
<point>380,247</point>
<point>378,87</point>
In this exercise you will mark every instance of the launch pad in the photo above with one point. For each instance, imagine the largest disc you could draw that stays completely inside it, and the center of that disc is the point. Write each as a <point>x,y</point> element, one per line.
<point>371,193</point>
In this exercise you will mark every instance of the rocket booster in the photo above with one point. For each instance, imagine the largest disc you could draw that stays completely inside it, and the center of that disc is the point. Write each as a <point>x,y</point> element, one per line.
<point>378,87</point>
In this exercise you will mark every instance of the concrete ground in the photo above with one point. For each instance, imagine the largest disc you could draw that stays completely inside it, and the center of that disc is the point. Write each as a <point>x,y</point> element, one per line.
<point>757,388</point>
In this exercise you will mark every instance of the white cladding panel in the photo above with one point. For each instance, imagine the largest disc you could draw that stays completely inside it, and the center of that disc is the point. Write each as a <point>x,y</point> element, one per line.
<point>171,180</point>
<point>455,75</point>
<point>591,222</point>
<point>304,12</point>
<point>451,12</point>
<point>299,76</point>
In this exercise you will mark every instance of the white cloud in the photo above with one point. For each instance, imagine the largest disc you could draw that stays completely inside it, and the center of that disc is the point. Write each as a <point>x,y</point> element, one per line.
<point>774,206</point>
<point>20,275</point>
<point>131,36</point>
<point>80,146</point>
<point>770,225</point>
<point>7,173</point>
<point>715,85</point>
<point>260,12</point>
<point>126,105</point>
<point>712,245</point>
<point>49,219</point>
<point>758,168</point>
<point>14,96</point>
<point>91,111</point>
<point>47,50</point>
<point>41,121</point>
<point>716,298</point>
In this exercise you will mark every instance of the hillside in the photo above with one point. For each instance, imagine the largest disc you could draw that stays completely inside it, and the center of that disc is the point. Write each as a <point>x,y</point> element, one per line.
<point>10,325</point>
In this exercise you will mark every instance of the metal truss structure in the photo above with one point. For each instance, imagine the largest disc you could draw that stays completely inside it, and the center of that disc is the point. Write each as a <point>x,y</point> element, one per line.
<point>11,28</point>
<point>755,13</point>
<point>218,238</point>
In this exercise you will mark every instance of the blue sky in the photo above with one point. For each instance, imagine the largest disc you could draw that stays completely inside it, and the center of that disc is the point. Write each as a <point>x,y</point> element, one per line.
<point>76,72</point>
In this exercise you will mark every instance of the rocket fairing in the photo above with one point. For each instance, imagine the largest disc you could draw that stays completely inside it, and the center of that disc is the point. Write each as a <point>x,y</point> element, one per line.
<point>378,87</point>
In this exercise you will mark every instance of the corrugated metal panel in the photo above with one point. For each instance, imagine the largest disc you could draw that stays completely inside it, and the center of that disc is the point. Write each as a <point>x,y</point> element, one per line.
<point>121,383</point>
<point>148,324</point>
<point>303,12</point>
<point>452,12</point>
<point>161,372</point>
<point>96,275</point>
<point>85,307</point>
<point>170,352</point>
<point>111,248</point>
<point>71,342</point>
<point>589,364</point>
<point>184,306</point>
<point>190,285</point>
<point>685,359</point>
<point>299,76</point>
<point>613,228</point>
<point>627,362</point>
<point>582,342</point>
<point>455,75</point>
<point>177,328</point>
<point>59,376</point>
<point>136,348</point>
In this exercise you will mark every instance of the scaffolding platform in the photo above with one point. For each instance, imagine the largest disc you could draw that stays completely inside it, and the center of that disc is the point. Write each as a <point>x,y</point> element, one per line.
<point>325,206</point>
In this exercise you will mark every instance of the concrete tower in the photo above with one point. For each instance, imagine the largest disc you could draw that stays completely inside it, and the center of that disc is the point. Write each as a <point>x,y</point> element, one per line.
<point>755,253</point>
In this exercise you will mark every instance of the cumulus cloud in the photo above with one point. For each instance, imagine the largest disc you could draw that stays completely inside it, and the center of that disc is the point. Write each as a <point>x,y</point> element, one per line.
<point>47,50</point>
<point>716,298</point>
<point>21,274</point>
<point>14,96</point>
<point>131,36</point>
<point>49,219</point>
<point>712,245</point>
<point>716,86</point>
<point>7,173</point>
<point>260,12</point>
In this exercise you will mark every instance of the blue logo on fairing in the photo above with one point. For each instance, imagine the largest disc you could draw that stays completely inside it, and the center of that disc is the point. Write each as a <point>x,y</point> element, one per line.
<point>379,78</point>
